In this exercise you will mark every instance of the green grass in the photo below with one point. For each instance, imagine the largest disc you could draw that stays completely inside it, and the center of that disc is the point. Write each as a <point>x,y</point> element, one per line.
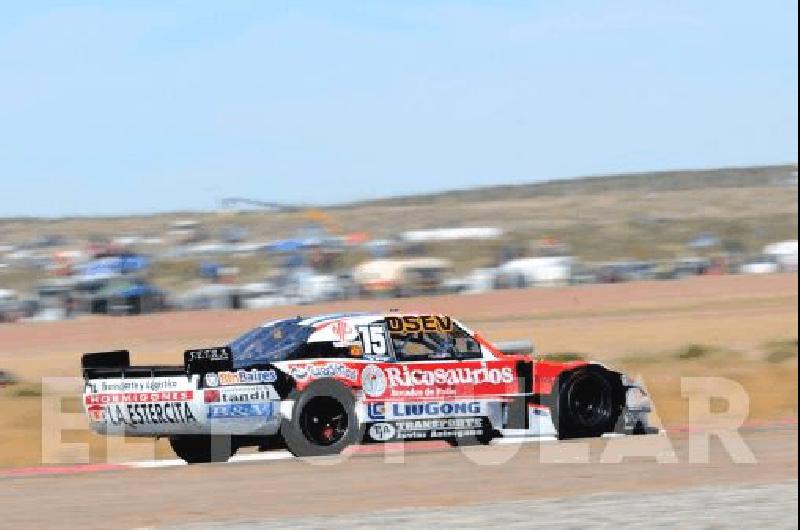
<point>695,351</point>
<point>689,352</point>
<point>781,350</point>
<point>25,390</point>
<point>564,357</point>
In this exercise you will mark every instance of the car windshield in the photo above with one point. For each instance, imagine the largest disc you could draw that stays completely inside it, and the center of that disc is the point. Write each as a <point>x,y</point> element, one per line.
<point>270,343</point>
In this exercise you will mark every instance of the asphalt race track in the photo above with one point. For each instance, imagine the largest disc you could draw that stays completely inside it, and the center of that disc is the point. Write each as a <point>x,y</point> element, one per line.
<point>765,506</point>
<point>553,483</point>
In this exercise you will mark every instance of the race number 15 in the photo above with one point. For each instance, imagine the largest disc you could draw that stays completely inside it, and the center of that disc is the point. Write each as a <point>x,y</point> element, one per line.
<point>373,338</point>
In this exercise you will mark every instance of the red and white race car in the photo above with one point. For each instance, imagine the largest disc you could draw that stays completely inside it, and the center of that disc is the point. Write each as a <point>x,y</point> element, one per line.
<point>320,384</point>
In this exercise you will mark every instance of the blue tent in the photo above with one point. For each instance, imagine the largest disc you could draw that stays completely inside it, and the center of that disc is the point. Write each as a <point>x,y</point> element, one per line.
<point>113,265</point>
<point>285,245</point>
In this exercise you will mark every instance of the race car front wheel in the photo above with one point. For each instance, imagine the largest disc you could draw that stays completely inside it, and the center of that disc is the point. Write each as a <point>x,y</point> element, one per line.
<point>323,420</point>
<point>199,449</point>
<point>587,402</point>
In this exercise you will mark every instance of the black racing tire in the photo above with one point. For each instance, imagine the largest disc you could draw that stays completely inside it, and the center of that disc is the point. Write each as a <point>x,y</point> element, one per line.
<point>587,402</point>
<point>202,448</point>
<point>323,421</point>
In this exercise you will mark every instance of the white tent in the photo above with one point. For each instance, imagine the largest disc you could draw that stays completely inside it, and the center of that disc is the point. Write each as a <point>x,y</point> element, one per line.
<point>544,271</point>
<point>785,253</point>
<point>7,295</point>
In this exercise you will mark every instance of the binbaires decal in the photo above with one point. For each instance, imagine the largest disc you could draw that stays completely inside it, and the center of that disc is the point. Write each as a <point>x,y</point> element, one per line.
<point>240,377</point>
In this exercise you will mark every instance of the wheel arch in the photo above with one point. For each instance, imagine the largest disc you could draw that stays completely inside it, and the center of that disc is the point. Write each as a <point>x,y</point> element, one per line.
<point>291,430</point>
<point>565,426</point>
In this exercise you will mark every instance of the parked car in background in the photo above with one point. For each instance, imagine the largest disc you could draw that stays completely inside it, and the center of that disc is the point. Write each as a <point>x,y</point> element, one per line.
<point>209,296</point>
<point>6,379</point>
<point>693,266</point>
<point>535,272</point>
<point>764,264</point>
<point>120,296</point>
<point>8,305</point>
<point>305,286</point>
<point>626,271</point>
<point>478,281</point>
<point>785,254</point>
<point>582,274</point>
<point>260,295</point>
<point>401,277</point>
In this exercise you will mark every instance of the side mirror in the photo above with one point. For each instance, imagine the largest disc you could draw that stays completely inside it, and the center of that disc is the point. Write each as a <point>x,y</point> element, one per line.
<point>516,347</point>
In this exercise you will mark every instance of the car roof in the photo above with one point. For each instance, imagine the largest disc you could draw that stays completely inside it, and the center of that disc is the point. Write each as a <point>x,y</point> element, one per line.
<point>336,326</point>
<point>323,319</point>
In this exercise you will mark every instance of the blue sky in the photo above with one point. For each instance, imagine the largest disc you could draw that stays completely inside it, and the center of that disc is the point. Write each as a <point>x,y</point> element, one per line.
<point>116,107</point>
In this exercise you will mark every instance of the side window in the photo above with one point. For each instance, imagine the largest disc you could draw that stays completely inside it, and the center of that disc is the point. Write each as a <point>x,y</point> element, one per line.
<point>422,346</point>
<point>466,346</point>
<point>434,346</point>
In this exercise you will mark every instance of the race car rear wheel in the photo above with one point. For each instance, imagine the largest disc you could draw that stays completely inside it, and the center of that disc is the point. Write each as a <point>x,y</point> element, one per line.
<point>587,402</point>
<point>323,420</point>
<point>199,449</point>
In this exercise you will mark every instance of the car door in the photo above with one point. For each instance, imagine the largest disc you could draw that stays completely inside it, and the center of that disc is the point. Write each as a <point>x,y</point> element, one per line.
<point>435,383</point>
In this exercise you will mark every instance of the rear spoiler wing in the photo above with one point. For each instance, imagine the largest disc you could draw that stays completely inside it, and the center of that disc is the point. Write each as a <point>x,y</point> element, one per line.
<point>117,364</point>
<point>205,360</point>
<point>106,359</point>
